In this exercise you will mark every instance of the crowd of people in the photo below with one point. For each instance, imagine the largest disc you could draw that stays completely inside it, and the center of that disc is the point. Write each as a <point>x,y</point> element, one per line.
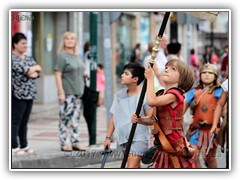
<point>200,91</point>
<point>172,87</point>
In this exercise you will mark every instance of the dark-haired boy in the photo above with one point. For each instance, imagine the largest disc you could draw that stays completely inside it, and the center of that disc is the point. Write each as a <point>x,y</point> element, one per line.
<point>123,107</point>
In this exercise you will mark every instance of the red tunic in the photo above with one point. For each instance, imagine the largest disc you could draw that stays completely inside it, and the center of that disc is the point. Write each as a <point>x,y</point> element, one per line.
<point>171,123</point>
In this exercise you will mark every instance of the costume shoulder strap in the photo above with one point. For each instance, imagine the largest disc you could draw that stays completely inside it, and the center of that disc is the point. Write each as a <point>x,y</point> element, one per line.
<point>177,89</point>
<point>212,88</point>
<point>160,92</point>
<point>177,92</point>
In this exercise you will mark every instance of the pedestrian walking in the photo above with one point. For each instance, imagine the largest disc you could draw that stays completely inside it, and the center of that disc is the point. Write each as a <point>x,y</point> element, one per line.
<point>69,75</point>
<point>123,107</point>
<point>224,68</point>
<point>100,84</point>
<point>25,71</point>
<point>202,101</point>
<point>207,55</point>
<point>168,105</point>
<point>136,55</point>
<point>195,63</point>
<point>210,56</point>
<point>173,51</point>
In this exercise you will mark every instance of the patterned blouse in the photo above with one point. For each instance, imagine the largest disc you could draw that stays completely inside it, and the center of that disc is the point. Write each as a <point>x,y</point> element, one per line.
<point>23,87</point>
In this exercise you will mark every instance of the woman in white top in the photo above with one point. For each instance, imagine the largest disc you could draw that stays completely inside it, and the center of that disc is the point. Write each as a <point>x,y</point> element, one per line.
<point>158,83</point>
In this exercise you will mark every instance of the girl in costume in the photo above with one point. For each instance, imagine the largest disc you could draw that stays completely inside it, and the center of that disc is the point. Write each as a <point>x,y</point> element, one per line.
<point>202,101</point>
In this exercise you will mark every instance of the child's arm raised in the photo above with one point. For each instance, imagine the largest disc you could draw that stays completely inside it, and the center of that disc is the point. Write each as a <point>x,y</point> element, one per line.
<point>163,100</point>
<point>152,99</point>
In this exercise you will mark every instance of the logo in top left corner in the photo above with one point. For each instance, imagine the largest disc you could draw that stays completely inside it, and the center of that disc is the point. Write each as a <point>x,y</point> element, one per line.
<point>22,17</point>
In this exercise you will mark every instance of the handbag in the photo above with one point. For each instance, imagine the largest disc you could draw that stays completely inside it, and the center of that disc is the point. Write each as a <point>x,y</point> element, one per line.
<point>89,99</point>
<point>150,155</point>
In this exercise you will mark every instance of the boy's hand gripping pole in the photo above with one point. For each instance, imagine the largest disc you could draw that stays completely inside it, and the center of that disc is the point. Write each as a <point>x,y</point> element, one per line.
<point>105,154</point>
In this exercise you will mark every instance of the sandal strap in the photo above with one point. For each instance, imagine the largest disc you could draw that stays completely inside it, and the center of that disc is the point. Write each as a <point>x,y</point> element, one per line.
<point>28,150</point>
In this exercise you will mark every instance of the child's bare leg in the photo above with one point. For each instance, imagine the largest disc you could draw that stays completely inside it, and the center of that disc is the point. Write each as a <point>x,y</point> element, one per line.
<point>196,159</point>
<point>151,137</point>
<point>134,161</point>
<point>210,159</point>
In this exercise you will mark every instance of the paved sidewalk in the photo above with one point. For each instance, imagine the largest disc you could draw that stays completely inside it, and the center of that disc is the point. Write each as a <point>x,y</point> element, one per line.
<point>45,130</point>
<point>43,137</point>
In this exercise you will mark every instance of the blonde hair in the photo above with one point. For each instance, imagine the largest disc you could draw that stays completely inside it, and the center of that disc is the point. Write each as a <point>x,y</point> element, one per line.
<point>62,47</point>
<point>186,74</point>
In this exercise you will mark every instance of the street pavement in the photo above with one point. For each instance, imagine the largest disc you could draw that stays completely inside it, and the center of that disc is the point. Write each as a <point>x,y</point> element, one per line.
<point>43,137</point>
<point>117,164</point>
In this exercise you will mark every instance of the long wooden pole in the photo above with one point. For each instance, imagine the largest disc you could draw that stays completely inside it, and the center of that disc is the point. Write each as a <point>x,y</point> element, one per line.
<point>140,102</point>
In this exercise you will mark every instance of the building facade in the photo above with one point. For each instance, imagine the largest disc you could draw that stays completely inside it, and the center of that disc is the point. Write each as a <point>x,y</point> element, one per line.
<point>116,38</point>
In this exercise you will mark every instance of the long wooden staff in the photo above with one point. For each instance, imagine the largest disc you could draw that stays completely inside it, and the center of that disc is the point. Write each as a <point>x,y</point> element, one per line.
<point>140,102</point>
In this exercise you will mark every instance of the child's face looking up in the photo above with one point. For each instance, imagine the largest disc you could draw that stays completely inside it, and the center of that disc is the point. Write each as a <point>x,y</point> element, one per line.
<point>170,75</point>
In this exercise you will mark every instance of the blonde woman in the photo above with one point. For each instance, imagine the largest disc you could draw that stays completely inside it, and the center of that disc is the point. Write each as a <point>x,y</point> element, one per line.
<point>69,74</point>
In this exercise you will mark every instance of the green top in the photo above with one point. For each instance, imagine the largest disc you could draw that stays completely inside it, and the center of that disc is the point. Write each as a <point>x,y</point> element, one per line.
<point>72,69</point>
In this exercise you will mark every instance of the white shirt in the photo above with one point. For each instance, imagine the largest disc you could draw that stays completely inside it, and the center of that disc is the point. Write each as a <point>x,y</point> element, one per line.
<point>160,61</point>
<point>156,82</point>
<point>225,85</point>
<point>122,109</point>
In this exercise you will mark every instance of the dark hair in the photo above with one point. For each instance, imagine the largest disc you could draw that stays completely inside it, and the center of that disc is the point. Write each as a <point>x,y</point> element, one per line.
<point>192,51</point>
<point>226,46</point>
<point>17,37</point>
<point>138,45</point>
<point>174,48</point>
<point>86,47</point>
<point>100,66</point>
<point>137,70</point>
